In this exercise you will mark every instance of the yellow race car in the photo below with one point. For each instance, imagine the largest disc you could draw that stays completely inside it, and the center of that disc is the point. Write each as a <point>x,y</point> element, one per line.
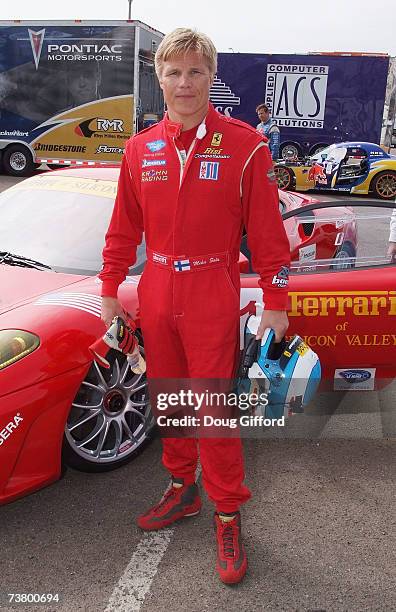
<point>353,167</point>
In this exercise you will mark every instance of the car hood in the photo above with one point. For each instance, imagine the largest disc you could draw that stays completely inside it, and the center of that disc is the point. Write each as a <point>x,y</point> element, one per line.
<point>20,286</point>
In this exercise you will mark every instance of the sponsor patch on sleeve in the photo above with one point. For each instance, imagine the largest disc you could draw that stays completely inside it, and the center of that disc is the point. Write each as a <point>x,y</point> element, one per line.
<point>282,278</point>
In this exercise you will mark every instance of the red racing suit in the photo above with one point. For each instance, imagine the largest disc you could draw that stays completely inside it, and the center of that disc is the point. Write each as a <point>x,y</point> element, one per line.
<point>192,208</point>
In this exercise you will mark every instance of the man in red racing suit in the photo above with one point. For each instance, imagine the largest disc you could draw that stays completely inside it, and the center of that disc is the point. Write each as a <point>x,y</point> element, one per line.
<point>190,183</point>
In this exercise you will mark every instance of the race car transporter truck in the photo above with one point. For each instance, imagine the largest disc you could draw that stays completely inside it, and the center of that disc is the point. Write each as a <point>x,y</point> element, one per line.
<point>74,91</point>
<point>315,99</point>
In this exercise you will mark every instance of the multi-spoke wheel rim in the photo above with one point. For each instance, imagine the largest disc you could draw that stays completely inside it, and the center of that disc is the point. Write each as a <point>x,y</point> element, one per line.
<point>110,415</point>
<point>290,152</point>
<point>386,186</point>
<point>17,161</point>
<point>283,177</point>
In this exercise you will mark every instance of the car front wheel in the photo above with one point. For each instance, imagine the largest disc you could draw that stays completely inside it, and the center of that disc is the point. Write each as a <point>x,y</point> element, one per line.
<point>384,185</point>
<point>285,177</point>
<point>110,420</point>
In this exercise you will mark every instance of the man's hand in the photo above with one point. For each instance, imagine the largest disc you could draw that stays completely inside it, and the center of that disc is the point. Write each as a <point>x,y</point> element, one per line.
<point>111,308</point>
<point>273,319</point>
<point>392,250</point>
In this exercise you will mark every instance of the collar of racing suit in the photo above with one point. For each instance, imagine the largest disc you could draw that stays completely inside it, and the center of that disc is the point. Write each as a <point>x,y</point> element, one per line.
<point>174,129</point>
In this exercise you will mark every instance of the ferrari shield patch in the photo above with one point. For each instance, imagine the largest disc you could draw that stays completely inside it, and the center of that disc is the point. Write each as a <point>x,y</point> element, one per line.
<point>216,139</point>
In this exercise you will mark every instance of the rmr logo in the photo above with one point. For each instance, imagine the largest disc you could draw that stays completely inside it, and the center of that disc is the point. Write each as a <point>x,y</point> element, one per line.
<point>97,125</point>
<point>114,125</point>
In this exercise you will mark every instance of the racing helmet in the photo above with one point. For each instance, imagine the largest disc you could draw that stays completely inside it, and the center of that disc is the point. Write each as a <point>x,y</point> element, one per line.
<point>288,372</point>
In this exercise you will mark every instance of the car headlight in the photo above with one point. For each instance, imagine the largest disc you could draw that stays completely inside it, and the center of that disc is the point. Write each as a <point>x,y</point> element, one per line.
<point>16,344</point>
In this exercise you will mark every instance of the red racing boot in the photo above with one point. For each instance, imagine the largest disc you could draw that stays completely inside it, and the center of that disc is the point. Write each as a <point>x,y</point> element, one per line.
<point>231,557</point>
<point>175,504</point>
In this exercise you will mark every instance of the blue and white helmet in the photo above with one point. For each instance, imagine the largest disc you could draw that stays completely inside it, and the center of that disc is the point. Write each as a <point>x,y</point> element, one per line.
<point>288,371</point>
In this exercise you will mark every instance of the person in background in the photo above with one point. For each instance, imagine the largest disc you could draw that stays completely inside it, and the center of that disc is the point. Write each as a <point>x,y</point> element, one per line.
<point>269,129</point>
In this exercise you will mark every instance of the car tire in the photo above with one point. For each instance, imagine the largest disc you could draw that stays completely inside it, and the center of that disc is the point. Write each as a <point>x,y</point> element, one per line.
<point>111,411</point>
<point>384,185</point>
<point>317,148</point>
<point>285,177</point>
<point>18,161</point>
<point>290,151</point>
<point>346,251</point>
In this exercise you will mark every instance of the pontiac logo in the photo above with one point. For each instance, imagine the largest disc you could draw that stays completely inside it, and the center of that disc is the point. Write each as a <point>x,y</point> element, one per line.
<point>36,40</point>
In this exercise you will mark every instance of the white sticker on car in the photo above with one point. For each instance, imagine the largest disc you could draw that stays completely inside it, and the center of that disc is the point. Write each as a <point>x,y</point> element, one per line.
<point>354,379</point>
<point>307,253</point>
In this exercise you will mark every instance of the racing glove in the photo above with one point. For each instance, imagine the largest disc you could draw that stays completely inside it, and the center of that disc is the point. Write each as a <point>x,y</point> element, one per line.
<point>121,337</point>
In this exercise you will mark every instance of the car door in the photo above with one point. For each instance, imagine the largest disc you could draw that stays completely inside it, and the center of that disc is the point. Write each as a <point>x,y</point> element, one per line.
<point>353,169</point>
<point>344,308</point>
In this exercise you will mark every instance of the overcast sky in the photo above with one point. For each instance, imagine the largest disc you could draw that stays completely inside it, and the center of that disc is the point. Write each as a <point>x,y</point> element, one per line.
<point>266,26</point>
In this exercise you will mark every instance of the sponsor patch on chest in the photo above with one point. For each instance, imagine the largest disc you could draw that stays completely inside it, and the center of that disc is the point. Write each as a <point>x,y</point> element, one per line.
<point>216,139</point>
<point>155,145</point>
<point>211,153</point>
<point>153,162</point>
<point>209,170</point>
<point>153,176</point>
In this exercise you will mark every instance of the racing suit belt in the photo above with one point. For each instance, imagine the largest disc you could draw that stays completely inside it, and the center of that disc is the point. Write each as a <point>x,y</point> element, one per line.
<point>192,263</point>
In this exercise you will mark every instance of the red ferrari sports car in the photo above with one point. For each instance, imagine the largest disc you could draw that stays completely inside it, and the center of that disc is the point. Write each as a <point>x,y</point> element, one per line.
<point>56,405</point>
<point>319,233</point>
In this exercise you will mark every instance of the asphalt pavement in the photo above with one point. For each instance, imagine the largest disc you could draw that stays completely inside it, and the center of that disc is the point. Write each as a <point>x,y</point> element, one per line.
<point>319,534</point>
<point>319,529</point>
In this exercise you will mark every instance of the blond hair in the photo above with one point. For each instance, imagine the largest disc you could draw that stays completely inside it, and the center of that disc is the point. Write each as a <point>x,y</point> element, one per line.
<point>184,40</point>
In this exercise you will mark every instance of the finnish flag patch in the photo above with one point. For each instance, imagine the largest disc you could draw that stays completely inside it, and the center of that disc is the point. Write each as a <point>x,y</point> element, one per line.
<point>181,265</point>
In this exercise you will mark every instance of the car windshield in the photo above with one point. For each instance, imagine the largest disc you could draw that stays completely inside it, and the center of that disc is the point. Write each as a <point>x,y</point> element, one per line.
<point>339,235</point>
<point>59,221</point>
<point>330,154</point>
